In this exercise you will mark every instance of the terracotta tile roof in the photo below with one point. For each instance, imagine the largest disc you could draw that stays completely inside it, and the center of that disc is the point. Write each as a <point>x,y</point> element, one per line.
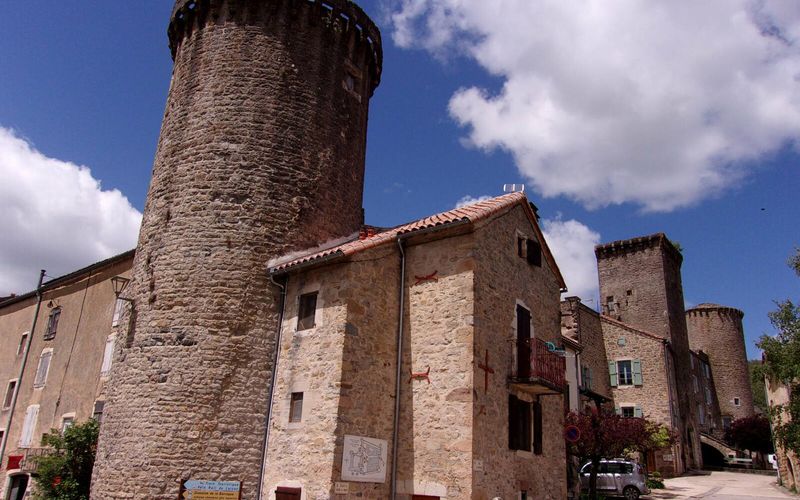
<point>463,215</point>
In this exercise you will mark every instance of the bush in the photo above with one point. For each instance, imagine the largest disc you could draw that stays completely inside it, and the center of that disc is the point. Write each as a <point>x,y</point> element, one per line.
<point>66,473</point>
<point>655,481</point>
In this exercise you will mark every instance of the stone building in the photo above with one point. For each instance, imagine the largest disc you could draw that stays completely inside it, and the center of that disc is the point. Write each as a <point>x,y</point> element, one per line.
<point>778,394</point>
<point>474,293</point>
<point>55,356</point>
<point>717,331</point>
<point>582,334</point>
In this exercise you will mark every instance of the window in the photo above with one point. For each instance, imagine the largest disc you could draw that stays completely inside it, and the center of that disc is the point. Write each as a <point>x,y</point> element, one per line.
<point>66,423</point>
<point>524,350</point>
<point>521,246</point>
<point>28,427</point>
<point>701,413</point>
<point>627,411</point>
<point>2,434</point>
<point>519,424</point>
<point>586,377</point>
<point>97,412</point>
<point>523,495</point>
<point>296,407</point>
<point>117,312</point>
<point>736,402</point>
<point>52,324</point>
<point>534,253</point>
<point>43,369</point>
<point>611,307</point>
<point>630,411</point>
<point>695,384</point>
<point>625,372</point>
<point>12,385</point>
<point>22,341</point>
<point>708,395</point>
<point>706,370</point>
<point>306,310</point>
<point>726,423</point>
<point>108,355</point>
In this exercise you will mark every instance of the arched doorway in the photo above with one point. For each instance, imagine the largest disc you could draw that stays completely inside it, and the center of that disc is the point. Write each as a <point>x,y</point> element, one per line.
<point>712,456</point>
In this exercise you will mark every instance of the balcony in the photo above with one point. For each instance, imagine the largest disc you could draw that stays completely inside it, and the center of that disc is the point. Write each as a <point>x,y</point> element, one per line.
<point>26,459</point>
<point>539,370</point>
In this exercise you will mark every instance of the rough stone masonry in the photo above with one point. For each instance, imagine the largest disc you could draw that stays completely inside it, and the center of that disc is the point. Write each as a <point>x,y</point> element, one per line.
<point>261,152</point>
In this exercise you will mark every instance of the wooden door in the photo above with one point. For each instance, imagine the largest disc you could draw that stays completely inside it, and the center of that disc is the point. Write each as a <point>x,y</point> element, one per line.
<point>287,493</point>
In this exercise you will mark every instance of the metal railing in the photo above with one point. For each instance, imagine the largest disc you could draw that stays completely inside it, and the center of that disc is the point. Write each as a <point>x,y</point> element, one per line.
<point>543,363</point>
<point>26,459</point>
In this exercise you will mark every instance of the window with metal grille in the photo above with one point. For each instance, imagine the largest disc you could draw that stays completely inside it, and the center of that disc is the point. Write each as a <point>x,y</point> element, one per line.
<point>52,324</point>
<point>307,309</point>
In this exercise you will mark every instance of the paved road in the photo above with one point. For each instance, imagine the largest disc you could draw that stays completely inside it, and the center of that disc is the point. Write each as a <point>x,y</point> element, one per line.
<point>722,485</point>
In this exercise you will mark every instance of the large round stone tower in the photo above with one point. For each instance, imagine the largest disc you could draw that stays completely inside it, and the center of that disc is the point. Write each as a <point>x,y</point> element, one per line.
<point>717,331</point>
<point>261,153</point>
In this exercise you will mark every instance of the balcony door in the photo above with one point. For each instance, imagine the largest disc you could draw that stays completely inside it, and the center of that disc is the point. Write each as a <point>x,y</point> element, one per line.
<point>524,343</point>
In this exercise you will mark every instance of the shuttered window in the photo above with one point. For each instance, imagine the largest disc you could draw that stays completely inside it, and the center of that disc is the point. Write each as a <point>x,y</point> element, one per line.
<point>97,412</point>
<point>523,342</point>
<point>625,372</point>
<point>117,312</point>
<point>108,355</point>
<point>534,253</point>
<point>519,424</point>
<point>28,426</point>
<point>52,324</point>
<point>43,368</point>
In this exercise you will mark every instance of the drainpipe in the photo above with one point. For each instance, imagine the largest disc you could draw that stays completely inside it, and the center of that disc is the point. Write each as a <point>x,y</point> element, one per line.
<point>396,424</point>
<point>22,367</point>
<point>265,442</point>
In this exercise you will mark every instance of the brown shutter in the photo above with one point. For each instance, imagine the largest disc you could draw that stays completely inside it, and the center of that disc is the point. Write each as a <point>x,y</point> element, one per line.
<point>537,428</point>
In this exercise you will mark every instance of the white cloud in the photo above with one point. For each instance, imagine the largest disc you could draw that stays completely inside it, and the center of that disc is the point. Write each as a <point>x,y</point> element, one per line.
<point>55,216</point>
<point>469,200</point>
<point>572,244</point>
<point>661,104</point>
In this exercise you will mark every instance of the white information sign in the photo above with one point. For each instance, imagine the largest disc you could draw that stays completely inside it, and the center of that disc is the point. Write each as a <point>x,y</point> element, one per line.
<point>364,459</point>
<point>341,488</point>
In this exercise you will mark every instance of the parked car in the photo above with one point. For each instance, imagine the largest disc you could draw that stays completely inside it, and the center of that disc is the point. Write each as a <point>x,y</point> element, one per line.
<point>617,477</point>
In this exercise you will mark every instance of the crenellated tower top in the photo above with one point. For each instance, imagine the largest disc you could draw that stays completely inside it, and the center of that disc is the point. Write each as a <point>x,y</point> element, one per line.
<point>342,17</point>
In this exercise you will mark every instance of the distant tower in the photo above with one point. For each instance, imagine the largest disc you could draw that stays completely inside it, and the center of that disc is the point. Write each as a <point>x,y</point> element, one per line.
<point>717,331</point>
<point>640,284</point>
<point>261,153</point>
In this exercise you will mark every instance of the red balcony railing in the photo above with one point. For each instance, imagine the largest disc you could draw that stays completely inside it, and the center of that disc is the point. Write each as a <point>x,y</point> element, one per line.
<point>537,363</point>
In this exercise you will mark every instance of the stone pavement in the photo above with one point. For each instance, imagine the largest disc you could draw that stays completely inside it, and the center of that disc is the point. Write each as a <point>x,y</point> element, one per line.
<point>722,485</point>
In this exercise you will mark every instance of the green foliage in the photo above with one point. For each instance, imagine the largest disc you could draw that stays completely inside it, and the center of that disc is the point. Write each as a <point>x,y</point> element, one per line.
<point>782,364</point>
<point>66,473</point>
<point>655,481</point>
<point>757,373</point>
<point>750,433</point>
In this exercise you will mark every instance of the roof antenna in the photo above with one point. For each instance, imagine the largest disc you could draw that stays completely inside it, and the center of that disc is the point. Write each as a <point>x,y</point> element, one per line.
<point>513,188</point>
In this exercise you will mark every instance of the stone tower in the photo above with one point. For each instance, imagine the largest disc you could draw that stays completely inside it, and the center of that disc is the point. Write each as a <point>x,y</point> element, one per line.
<point>717,331</point>
<point>261,153</point>
<point>640,284</point>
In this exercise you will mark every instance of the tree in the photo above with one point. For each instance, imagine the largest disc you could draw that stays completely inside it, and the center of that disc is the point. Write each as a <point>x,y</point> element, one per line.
<point>66,473</point>
<point>750,433</point>
<point>782,363</point>
<point>757,373</point>
<point>604,434</point>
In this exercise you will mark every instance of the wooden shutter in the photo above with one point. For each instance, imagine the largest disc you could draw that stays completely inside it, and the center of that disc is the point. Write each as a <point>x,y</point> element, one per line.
<point>537,428</point>
<point>637,372</point>
<point>637,411</point>
<point>43,368</point>
<point>31,415</point>
<point>108,355</point>
<point>612,373</point>
<point>534,253</point>
<point>617,410</point>
<point>512,423</point>
<point>523,342</point>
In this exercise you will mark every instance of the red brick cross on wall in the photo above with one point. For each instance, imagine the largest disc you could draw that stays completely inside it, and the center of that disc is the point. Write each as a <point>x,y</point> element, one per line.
<point>486,371</point>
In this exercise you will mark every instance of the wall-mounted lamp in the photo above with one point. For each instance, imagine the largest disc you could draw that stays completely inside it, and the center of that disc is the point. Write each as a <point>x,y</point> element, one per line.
<point>120,284</point>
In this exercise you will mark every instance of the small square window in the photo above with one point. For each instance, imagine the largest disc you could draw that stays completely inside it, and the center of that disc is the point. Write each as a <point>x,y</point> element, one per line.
<point>66,423</point>
<point>306,311</point>
<point>628,411</point>
<point>97,412</point>
<point>52,324</point>
<point>296,407</point>
<point>736,402</point>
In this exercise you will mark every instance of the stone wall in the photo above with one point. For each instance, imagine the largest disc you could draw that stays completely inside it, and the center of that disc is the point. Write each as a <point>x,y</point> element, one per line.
<point>704,395</point>
<point>502,280</point>
<point>74,381</point>
<point>582,324</point>
<point>788,461</point>
<point>717,331</point>
<point>261,153</point>
<point>656,395</point>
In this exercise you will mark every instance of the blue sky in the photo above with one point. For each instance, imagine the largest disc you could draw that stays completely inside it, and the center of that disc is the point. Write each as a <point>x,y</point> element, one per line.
<point>639,137</point>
